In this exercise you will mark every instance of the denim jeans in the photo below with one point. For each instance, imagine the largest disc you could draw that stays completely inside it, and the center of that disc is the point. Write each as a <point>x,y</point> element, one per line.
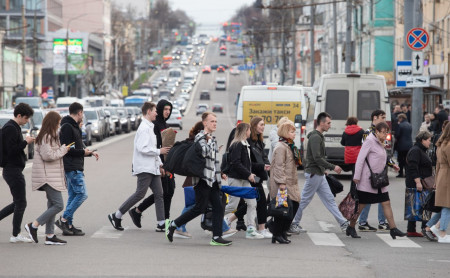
<point>434,219</point>
<point>365,214</point>
<point>445,219</point>
<point>77,193</point>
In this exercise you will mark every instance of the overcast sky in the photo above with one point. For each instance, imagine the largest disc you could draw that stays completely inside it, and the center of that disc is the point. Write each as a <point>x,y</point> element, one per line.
<point>204,12</point>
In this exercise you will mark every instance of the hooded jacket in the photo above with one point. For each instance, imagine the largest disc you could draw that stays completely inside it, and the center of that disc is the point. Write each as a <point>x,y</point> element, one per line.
<point>71,132</point>
<point>352,141</point>
<point>315,154</point>
<point>160,123</point>
<point>13,146</point>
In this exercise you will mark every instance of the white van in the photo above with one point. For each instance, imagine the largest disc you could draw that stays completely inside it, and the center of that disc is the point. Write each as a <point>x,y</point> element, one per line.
<point>272,102</point>
<point>67,101</point>
<point>343,96</point>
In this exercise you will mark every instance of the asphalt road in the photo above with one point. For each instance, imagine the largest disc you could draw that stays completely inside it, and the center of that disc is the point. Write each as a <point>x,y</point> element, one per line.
<point>104,252</point>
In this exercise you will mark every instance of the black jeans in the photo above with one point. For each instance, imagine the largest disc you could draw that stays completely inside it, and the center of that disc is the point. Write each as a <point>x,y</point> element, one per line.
<point>16,182</point>
<point>168,186</point>
<point>401,161</point>
<point>412,226</point>
<point>203,195</point>
<point>282,224</point>
<point>261,206</point>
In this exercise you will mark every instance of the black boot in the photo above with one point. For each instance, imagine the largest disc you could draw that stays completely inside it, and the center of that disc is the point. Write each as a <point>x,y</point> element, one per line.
<point>351,232</point>
<point>240,225</point>
<point>280,239</point>
<point>396,233</point>
<point>285,237</point>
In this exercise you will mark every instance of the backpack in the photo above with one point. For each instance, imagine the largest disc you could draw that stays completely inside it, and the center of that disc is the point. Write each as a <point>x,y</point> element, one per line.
<point>1,148</point>
<point>194,163</point>
<point>175,156</point>
<point>225,164</point>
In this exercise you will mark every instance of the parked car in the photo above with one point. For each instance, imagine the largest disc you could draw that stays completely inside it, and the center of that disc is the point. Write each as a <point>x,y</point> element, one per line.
<point>98,123</point>
<point>112,123</point>
<point>106,119</point>
<point>28,129</point>
<point>124,119</point>
<point>132,115</point>
<point>175,119</point>
<point>206,69</point>
<point>217,107</point>
<point>201,108</point>
<point>138,113</point>
<point>86,132</point>
<point>205,95</point>
<point>235,70</point>
<point>114,117</point>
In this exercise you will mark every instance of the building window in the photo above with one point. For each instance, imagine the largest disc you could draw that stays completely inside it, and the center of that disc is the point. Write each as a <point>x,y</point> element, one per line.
<point>15,24</point>
<point>15,5</point>
<point>33,4</point>
<point>2,5</point>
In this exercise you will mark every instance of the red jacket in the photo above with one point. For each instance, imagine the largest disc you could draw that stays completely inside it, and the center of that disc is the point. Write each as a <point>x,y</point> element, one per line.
<point>352,140</point>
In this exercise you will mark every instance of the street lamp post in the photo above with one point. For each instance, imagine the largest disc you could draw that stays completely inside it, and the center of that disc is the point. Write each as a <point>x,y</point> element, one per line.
<point>66,76</point>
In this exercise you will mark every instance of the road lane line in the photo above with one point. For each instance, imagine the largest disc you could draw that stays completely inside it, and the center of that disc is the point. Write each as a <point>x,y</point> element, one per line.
<point>325,226</point>
<point>325,239</point>
<point>108,232</point>
<point>402,242</point>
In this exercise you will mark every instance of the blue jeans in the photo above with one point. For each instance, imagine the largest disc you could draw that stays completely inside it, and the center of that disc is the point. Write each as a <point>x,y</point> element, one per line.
<point>77,193</point>
<point>434,219</point>
<point>182,228</point>
<point>365,214</point>
<point>445,219</point>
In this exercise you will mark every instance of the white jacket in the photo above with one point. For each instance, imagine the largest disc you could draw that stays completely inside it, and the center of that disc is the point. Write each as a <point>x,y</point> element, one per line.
<point>146,155</point>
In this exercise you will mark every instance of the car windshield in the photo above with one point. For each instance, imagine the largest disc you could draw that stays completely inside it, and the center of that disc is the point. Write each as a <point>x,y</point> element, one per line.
<point>112,111</point>
<point>38,117</point>
<point>91,115</point>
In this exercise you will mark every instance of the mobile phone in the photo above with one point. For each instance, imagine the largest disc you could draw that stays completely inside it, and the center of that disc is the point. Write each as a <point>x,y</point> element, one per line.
<point>70,144</point>
<point>94,150</point>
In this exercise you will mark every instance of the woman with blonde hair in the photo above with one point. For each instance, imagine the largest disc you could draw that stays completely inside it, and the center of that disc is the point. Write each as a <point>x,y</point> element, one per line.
<point>240,174</point>
<point>273,135</point>
<point>283,175</point>
<point>47,175</point>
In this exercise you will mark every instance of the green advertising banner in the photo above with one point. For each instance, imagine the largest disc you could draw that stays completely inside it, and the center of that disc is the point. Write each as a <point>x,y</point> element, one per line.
<point>78,64</point>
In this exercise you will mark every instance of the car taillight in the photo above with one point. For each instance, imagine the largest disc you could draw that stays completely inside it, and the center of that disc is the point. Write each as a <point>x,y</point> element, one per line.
<point>238,122</point>
<point>389,137</point>
<point>178,118</point>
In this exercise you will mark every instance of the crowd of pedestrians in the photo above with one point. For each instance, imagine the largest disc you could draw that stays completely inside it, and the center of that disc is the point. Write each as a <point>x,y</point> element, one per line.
<point>59,166</point>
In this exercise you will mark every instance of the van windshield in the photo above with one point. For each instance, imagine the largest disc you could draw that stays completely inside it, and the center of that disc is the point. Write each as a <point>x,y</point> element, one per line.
<point>337,104</point>
<point>368,101</point>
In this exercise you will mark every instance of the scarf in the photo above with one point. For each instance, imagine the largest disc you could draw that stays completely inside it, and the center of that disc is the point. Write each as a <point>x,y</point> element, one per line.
<point>295,151</point>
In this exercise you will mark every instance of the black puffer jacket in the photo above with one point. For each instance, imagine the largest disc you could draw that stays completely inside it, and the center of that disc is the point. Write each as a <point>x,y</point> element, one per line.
<point>71,132</point>
<point>418,165</point>
<point>259,158</point>
<point>240,164</point>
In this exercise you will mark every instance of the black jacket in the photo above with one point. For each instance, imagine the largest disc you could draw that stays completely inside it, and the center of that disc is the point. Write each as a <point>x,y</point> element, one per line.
<point>13,146</point>
<point>160,123</point>
<point>259,158</point>
<point>442,116</point>
<point>418,165</point>
<point>240,164</point>
<point>71,132</point>
<point>403,136</point>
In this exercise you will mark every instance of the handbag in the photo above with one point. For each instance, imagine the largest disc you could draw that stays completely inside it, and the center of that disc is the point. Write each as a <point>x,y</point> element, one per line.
<point>335,185</point>
<point>349,207</point>
<point>280,211</point>
<point>429,204</point>
<point>429,182</point>
<point>414,205</point>
<point>379,180</point>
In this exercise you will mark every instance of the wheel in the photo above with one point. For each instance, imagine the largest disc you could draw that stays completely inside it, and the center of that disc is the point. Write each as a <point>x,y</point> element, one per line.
<point>181,127</point>
<point>100,138</point>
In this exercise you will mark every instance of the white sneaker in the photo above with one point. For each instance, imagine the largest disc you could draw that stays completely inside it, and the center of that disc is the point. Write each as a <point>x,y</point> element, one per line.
<point>20,238</point>
<point>445,239</point>
<point>253,234</point>
<point>181,234</point>
<point>265,233</point>
<point>229,232</point>
<point>436,232</point>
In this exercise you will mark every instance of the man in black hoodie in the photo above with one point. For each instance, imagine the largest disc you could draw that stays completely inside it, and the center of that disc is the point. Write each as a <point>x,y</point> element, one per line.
<point>164,110</point>
<point>13,163</point>
<point>73,167</point>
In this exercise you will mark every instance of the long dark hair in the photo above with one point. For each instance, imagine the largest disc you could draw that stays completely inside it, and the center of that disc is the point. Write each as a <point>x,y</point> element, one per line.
<point>253,133</point>
<point>195,130</point>
<point>49,128</point>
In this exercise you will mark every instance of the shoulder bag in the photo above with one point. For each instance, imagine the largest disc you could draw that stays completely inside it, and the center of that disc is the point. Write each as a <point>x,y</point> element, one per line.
<point>428,183</point>
<point>379,180</point>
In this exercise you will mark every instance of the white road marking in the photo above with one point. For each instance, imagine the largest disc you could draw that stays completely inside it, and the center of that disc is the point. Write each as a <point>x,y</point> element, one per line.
<point>402,242</point>
<point>325,226</point>
<point>325,239</point>
<point>108,232</point>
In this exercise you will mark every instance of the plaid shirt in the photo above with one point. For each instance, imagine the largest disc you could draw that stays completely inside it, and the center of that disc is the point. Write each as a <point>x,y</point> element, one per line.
<point>209,152</point>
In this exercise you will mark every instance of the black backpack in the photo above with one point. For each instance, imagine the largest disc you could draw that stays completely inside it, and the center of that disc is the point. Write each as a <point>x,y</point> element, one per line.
<point>194,163</point>
<point>175,157</point>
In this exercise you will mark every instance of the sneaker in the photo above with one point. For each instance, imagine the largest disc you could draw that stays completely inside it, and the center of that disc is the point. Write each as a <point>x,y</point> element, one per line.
<point>229,232</point>
<point>251,233</point>
<point>136,217</point>
<point>115,222</point>
<point>429,235</point>
<point>54,241</point>
<point>219,242</point>
<point>64,227</point>
<point>169,230</point>
<point>435,231</point>
<point>32,232</point>
<point>296,229</point>
<point>160,228</point>
<point>384,227</point>
<point>344,226</point>
<point>76,231</point>
<point>445,239</point>
<point>240,225</point>
<point>181,234</point>
<point>366,228</point>
<point>265,233</point>
<point>20,238</point>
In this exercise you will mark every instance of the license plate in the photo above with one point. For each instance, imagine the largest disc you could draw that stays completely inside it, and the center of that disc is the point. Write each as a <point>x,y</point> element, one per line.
<point>333,139</point>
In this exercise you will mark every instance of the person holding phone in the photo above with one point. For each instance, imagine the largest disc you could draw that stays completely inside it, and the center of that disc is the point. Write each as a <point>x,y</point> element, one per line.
<point>240,174</point>
<point>47,175</point>
<point>74,168</point>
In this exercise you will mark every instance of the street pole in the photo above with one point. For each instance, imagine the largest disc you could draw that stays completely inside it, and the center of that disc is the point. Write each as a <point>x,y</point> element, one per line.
<point>412,7</point>
<point>34,55</point>
<point>294,50</point>
<point>348,39</point>
<point>335,56</point>
<point>2,34</point>
<point>311,27</point>
<point>24,47</point>
<point>66,55</point>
